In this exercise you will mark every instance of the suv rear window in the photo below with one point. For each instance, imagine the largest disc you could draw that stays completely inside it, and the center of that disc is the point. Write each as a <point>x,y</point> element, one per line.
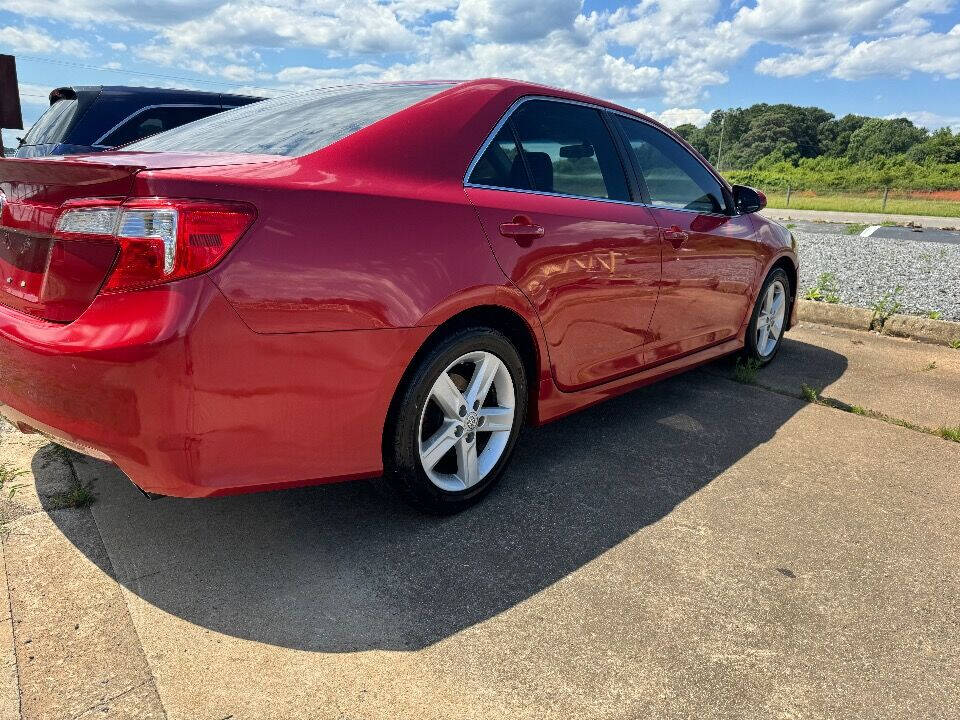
<point>155,120</point>
<point>291,125</point>
<point>53,125</point>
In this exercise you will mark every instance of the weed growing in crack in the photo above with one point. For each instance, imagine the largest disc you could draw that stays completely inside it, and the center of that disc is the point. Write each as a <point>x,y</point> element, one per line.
<point>825,289</point>
<point>884,307</point>
<point>7,475</point>
<point>745,370</point>
<point>950,433</point>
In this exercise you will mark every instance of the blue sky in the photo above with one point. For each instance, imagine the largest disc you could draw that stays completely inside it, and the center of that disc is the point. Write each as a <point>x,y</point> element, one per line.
<point>677,60</point>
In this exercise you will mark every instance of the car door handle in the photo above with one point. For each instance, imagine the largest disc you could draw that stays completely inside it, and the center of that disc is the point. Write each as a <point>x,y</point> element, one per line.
<point>521,229</point>
<point>675,236</point>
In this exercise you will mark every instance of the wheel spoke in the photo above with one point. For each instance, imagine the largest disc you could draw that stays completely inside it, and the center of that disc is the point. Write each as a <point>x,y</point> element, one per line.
<point>777,304</point>
<point>447,396</point>
<point>496,419</point>
<point>762,337</point>
<point>468,469</point>
<point>768,301</point>
<point>776,327</point>
<point>437,445</point>
<point>483,377</point>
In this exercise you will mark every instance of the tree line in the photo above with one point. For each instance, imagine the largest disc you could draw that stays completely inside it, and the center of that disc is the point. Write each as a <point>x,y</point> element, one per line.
<point>810,147</point>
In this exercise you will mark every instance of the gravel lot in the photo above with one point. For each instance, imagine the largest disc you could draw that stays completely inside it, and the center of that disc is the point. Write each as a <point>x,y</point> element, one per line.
<point>866,268</point>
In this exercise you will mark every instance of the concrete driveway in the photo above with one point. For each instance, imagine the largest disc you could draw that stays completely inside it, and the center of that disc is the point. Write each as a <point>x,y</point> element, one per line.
<point>699,548</point>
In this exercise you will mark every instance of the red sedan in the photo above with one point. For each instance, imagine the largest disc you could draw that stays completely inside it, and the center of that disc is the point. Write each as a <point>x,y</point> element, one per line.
<point>383,279</point>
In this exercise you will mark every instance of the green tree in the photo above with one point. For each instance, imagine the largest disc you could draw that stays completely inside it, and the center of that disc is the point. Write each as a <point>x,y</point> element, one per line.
<point>941,147</point>
<point>882,138</point>
<point>834,134</point>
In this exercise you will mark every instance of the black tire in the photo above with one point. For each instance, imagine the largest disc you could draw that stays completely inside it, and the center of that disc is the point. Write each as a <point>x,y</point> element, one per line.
<point>402,465</point>
<point>750,350</point>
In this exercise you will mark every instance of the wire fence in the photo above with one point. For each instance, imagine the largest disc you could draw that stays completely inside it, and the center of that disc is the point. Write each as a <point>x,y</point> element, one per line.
<point>941,203</point>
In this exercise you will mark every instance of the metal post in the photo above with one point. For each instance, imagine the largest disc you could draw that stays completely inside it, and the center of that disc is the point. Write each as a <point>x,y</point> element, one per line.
<point>886,191</point>
<point>788,194</point>
<point>723,121</point>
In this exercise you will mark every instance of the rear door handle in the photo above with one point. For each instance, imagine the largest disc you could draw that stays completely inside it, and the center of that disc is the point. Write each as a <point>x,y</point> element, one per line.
<point>521,229</point>
<point>675,236</point>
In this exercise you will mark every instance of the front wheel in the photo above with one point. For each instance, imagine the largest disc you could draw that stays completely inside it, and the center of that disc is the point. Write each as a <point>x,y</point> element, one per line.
<point>765,331</point>
<point>456,421</point>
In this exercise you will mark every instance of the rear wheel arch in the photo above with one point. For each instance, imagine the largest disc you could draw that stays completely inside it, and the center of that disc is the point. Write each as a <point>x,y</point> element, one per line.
<point>785,263</point>
<point>496,317</point>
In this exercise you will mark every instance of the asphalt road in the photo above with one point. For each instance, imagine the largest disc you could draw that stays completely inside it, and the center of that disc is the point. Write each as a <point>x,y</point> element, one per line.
<point>698,548</point>
<point>934,235</point>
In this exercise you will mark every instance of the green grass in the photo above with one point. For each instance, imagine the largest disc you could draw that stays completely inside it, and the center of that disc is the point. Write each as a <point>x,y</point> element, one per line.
<point>884,307</point>
<point>824,290</point>
<point>78,496</point>
<point>934,314</point>
<point>809,394</point>
<point>855,228</point>
<point>950,433</point>
<point>7,476</point>
<point>745,370</point>
<point>955,343</point>
<point>860,203</point>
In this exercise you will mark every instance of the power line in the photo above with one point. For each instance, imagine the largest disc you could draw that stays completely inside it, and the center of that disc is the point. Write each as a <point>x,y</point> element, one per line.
<point>141,73</point>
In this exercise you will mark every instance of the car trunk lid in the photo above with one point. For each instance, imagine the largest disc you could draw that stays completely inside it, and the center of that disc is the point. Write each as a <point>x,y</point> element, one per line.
<point>56,278</point>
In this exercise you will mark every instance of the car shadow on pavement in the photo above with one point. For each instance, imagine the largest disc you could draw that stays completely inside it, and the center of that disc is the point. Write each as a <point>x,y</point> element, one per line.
<point>348,567</point>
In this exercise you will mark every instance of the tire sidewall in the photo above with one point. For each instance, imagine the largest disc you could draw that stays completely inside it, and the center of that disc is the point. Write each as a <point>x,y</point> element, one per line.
<point>750,344</point>
<point>404,467</point>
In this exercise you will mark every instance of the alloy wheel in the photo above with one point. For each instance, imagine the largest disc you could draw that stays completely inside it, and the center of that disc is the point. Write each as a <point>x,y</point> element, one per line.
<point>770,320</point>
<point>466,421</point>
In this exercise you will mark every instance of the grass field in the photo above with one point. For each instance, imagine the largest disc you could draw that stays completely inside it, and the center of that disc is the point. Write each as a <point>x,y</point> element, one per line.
<point>896,204</point>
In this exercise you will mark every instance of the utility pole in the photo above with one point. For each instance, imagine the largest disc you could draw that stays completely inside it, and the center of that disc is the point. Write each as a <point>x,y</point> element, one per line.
<point>10,115</point>
<point>723,121</point>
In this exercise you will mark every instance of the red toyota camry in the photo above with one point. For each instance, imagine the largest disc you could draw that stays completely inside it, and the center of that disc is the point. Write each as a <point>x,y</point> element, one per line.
<point>382,279</point>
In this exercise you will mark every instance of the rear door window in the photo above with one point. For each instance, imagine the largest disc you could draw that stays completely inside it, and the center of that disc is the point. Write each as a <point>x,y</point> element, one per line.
<point>501,165</point>
<point>54,124</point>
<point>151,121</point>
<point>564,149</point>
<point>674,177</point>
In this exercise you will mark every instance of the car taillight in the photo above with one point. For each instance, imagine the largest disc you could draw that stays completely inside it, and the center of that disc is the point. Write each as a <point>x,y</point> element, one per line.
<point>159,240</point>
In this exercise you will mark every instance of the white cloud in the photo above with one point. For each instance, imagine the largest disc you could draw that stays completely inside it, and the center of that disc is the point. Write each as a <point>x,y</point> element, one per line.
<point>641,51</point>
<point>29,39</point>
<point>413,10</point>
<point>929,120</point>
<point>680,116</point>
<point>509,21</point>
<point>934,53</point>
<point>31,94</point>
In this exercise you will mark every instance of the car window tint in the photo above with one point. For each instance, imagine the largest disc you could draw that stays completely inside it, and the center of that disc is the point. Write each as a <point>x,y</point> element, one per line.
<point>155,120</point>
<point>568,150</point>
<point>674,177</point>
<point>292,125</point>
<point>53,125</point>
<point>501,164</point>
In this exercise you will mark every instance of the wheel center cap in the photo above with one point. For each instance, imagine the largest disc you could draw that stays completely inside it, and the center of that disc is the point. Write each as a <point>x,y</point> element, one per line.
<point>470,421</point>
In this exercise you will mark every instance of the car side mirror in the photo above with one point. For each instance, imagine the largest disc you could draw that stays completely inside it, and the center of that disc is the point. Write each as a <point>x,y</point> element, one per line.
<point>746,200</point>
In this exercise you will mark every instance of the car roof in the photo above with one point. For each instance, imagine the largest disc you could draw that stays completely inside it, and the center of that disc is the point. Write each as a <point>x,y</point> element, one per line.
<point>157,91</point>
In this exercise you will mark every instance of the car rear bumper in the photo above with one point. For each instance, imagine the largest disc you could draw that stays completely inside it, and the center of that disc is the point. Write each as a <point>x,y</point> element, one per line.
<point>172,387</point>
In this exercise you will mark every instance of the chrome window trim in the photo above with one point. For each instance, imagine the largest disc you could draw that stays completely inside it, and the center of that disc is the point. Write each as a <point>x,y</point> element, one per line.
<point>142,110</point>
<point>527,98</point>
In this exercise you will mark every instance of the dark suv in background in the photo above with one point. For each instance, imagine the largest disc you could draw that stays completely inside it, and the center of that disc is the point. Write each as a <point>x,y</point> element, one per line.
<point>87,119</point>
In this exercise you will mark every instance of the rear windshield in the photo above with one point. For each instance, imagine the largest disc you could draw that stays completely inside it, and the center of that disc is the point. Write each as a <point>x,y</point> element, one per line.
<point>53,125</point>
<point>291,125</point>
